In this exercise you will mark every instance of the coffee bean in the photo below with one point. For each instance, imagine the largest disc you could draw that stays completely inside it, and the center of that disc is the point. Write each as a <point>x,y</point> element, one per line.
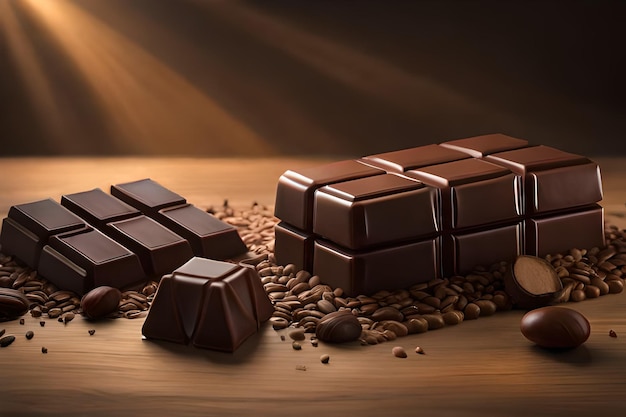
<point>472,311</point>
<point>44,349</point>
<point>419,350</point>
<point>325,358</point>
<point>91,332</point>
<point>29,334</point>
<point>42,323</point>
<point>615,286</point>
<point>6,340</point>
<point>399,352</point>
<point>296,346</point>
<point>297,334</point>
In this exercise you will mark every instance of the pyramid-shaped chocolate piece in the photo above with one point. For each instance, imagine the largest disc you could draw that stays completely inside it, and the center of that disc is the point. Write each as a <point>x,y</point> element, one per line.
<point>211,304</point>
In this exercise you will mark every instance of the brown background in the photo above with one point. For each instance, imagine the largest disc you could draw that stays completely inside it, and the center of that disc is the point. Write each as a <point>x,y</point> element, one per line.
<point>232,78</point>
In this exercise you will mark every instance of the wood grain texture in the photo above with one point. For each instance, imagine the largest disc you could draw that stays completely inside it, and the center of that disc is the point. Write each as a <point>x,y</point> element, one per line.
<point>483,367</point>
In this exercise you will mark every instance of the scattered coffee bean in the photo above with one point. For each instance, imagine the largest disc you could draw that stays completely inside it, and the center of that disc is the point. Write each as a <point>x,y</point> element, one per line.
<point>91,332</point>
<point>67,317</point>
<point>419,350</point>
<point>44,349</point>
<point>296,346</point>
<point>282,337</point>
<point>42,323</point>
<point>325,358</point>
<point>399,352</point>
<point>29,334</point>
<point>7,340</point>
<point>22,321</point>
<point>297,334</point>
<point>314,342</point>
<point>612,333</point>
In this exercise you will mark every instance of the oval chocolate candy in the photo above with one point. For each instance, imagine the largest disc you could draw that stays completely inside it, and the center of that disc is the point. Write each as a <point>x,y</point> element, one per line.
<point>555,327</point>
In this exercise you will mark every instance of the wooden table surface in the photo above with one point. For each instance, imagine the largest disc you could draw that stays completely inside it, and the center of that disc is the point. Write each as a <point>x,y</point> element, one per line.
<point>481,368</point>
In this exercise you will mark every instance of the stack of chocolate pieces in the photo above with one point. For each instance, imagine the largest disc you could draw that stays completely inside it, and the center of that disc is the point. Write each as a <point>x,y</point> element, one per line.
<point>395,219</point>
<point>141,230</point>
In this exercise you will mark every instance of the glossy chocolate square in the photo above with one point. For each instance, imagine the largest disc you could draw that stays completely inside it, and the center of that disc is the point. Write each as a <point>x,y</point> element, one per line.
<point>98,208</point>
<point>473,192</point>
<point>295,190</point>
<point>376,210</point>
<point>553,179</point>
<point>82,260</point>
<point>209,236</point>
<point>29,226</point>
<point>146,195</point>
<point>413,158</point>
<point>293,246</point>
<point>159,249</point>
<point>482,247</point>
<point>368,271</point>
<point>479,146</point>
<point>557,233</point>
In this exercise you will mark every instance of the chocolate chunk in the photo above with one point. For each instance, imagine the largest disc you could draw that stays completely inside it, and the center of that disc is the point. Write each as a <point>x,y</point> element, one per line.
<point>413,158</point>
<point>295,190</point>
<point>146,195</point>
<point>479,146</point>
<point>29,226</point>
<point>555,327</point>
<point>209,237</point>
<point>211,304</point>
<point>84,259</point>
<point>360,213</point>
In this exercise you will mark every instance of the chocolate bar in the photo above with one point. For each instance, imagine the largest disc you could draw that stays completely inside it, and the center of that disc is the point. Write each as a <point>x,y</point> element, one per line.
<point>81,260</point>
<point>493,198</point>
<point>29,226</point>
<point>159,249</point>
<point>210,304</point>
<point>356,214</point>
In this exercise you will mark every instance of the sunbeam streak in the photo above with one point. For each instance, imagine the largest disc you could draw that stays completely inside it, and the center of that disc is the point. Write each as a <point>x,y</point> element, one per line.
<point>148,107</point>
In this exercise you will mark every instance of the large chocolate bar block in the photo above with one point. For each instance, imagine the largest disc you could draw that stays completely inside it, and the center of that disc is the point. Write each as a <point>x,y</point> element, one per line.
<point>553,179</point>
<point>356,214</point>
<point>209,237</point>
<point>479,146</point>
<point>146,195</point>
<point>295,190</point>
<point>29,226</point>
<point>490,198</point>
<point>558,233</point>
<point>159,249</point>
<point>211,304</point>
<point>413,158</point>
<point>293,246</point>
<point>365,272</point>
<point>473,192</point>
<point>84,259</point>
<point>98,208</point>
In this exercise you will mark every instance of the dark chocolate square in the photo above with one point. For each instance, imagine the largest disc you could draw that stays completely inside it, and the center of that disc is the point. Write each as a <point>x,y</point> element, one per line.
<point>146,195</point>
<point>98,208</point>
<point>479,146</point>
<point>413,158</point>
